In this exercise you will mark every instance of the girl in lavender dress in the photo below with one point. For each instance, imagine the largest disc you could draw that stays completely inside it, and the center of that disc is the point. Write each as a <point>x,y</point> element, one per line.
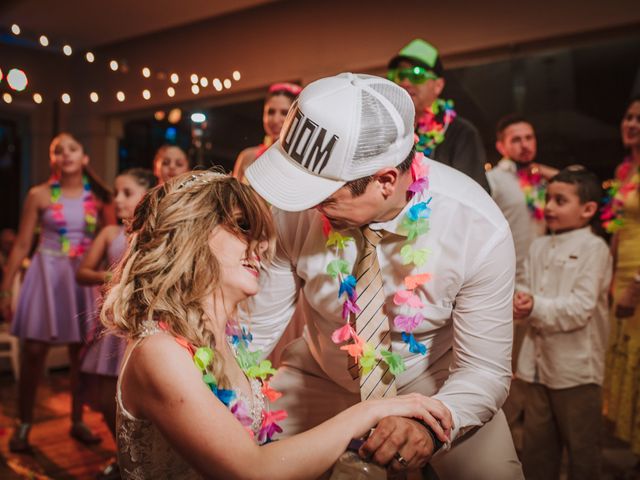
<point>103,355</point>
<point>52,308</point>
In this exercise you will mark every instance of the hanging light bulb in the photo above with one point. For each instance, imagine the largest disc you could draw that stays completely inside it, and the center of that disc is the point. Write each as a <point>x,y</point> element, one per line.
<point>227,83</point>
<point>15,29</point>
<point>236,75</point>
<point>67,50</point>
<point>175,78</point>
<point>204,82</point>
<point>37,98</point>
<point>17,79</point>
<point>90,57</point>
<point>66,98</point>
<point>194,78</point>
<point>120,96</point>
<point>113,65</point>
<point>7,97</point>
<point>93,96</point>
<point>146,94</point>
<point>217,84</point>
<point>146,72</point>
<point>171,91</point>
<point>44,41</point>
<point>195,89</point>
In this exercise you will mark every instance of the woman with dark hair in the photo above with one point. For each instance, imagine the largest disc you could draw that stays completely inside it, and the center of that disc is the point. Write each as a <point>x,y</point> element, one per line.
<point>622,218</point>
<point>279,99</point>
<point>52,308</point>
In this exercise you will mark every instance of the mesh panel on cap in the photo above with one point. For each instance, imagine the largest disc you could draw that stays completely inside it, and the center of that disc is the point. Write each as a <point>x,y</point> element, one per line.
<point>377,129</point>
<point>397,96</point>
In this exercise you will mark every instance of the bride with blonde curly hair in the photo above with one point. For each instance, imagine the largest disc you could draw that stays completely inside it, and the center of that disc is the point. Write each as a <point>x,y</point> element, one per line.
<point>192,398</point>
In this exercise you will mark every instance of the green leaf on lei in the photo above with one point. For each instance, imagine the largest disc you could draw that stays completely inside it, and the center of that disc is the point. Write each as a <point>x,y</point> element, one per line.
<point>247,359</point>
<point>368,359</point>
<point>414,228</point>
<point>338,240</point>
<point>209,379</point>
<point>261,371</point>
<point>338,266</point>
<point>394,361</point>
<point>416,256</point>
<point>203,358</point>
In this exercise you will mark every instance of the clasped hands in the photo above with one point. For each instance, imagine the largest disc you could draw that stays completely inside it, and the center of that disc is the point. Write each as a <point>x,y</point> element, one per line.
<point>522,305</point>
<point>400,443</point>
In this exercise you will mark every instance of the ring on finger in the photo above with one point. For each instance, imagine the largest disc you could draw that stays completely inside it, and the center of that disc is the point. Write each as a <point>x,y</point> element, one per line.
<point>400,459</point>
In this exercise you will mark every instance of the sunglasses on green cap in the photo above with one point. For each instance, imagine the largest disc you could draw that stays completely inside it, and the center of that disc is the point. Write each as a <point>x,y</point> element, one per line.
<point>416,75</point>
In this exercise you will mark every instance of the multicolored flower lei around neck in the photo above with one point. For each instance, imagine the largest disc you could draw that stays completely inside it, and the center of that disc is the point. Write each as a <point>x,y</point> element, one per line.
<point>433,124</point>
<point>611,213</point>
<point>90,217</point>
<point>262,371</point>
<point>534,188</point>
<point>415,223</point>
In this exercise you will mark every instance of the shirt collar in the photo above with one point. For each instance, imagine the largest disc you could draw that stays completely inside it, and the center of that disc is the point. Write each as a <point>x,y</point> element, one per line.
<point>571,235</point>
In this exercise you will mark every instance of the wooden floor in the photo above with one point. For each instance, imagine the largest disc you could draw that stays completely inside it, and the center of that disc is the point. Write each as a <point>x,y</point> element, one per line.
<point>55,454</point>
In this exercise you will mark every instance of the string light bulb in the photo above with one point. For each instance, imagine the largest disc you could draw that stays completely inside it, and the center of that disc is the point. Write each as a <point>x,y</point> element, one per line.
<point>146,72</point>
<point>90,57</point>
<point>146,94</point>
<point>217,84</point>
<point>120,96</point>
<point>17,79</point>
<point>7,97</point>
<point>195,89</point>
<point>236,75</point>
<point>171,91</point>
<point>37,98</point>
<point>44,41</point>
<point>227,83</point>
<point>67,50</point>
<point>113,65</point>
<point>194,78</point>
<point>175,78</point>
<point>204,82</point>
<point>94,97</point>
<point>15,29</point>
<point>66,98</point>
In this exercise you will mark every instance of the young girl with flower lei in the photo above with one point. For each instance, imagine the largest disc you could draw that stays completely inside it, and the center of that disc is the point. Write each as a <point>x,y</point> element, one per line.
<point>52,308</point>
<point>193,398</point>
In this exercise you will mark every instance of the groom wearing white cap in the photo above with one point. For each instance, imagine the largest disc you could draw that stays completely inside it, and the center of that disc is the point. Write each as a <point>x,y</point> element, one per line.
<point>402,273</point>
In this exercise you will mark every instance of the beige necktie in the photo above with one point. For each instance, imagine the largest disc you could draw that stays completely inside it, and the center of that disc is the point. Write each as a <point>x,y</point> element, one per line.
<point>372,324</point>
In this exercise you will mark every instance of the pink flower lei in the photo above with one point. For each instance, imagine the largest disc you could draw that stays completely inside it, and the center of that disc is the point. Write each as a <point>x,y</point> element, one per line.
<point>415,223</point>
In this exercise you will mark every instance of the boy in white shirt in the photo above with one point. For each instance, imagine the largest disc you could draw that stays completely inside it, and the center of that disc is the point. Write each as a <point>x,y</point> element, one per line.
<point>564,299</point>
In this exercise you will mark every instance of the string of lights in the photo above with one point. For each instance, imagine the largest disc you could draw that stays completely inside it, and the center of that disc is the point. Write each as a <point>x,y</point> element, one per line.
<point>18,82</point>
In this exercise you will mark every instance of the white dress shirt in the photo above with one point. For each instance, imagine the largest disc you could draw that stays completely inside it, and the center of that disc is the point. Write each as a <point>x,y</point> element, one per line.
<point>568,276</point>
<point>468,302</point>
<point>506,191</point>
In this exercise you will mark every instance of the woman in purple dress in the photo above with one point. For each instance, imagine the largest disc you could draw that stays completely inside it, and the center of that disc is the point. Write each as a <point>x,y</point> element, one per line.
<point>53,309</point>
<point>103,355</point>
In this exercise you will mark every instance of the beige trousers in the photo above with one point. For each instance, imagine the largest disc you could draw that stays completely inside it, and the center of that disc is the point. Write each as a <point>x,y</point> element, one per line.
<point>310,398</point>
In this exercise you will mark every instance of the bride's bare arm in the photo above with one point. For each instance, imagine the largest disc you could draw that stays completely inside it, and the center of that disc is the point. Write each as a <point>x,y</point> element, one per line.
<point>161,384</point>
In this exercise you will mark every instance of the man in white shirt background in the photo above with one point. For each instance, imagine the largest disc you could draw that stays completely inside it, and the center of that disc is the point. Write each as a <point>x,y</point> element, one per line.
<point>518,186</point>
<point>444,254</point>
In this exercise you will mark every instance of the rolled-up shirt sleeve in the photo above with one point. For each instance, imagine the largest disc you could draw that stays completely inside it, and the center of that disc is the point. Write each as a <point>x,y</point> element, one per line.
<point>483,333</point>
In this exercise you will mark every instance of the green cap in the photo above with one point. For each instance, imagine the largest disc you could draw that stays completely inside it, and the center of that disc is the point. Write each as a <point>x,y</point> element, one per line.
<point>421,53</point>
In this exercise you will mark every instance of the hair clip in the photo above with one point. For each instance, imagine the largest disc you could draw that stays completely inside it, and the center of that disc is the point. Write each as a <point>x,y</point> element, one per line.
<point>201,178</point>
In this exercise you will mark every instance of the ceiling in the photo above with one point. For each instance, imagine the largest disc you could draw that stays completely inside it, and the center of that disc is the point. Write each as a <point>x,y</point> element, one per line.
<point>86,24</point>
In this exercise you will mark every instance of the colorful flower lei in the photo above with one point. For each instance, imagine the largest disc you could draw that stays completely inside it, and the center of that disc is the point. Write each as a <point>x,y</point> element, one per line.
<point>534,189</point>
<point>90,217</point>
<point>414,224</point>
<point>430,130</point>
<point>611,212</point>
